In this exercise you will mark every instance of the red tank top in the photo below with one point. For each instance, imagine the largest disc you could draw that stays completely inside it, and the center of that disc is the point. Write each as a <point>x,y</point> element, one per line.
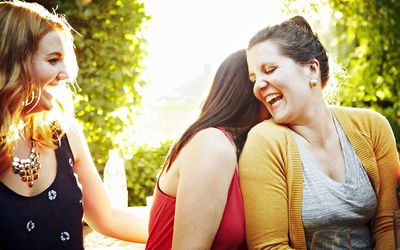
<point>231,231</point>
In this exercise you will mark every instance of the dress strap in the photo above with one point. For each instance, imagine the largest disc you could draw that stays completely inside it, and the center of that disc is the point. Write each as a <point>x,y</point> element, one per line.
<point>227,135</point>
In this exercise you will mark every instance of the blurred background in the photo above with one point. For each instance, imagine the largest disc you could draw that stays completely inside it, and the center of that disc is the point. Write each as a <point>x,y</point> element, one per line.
<point>146,65</point>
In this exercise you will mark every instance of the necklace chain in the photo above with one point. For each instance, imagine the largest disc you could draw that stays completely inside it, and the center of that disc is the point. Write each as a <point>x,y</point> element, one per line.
<point>28,168</point>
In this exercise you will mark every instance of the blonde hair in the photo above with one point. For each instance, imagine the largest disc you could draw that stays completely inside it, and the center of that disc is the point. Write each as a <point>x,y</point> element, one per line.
<point>22,25</point>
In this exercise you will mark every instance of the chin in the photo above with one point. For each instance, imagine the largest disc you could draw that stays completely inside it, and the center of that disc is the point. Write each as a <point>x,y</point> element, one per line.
<point>46,104</point>
<point>40,107</point>
<point>279,120</point>
<point>47,108</point>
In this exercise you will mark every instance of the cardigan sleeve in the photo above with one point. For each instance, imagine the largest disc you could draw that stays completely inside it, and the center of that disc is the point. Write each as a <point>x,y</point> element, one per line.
<point>387,160</point>
<point>262,168</point>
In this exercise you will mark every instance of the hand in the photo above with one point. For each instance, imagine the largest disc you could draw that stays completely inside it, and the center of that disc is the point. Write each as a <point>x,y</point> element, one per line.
<point>331,240</point>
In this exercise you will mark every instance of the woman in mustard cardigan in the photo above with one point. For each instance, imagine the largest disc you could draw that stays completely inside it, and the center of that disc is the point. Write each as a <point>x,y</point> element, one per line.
<point>312,166</point>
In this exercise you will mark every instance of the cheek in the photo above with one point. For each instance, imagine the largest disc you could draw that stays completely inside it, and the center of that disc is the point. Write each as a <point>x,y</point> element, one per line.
<point>256,93</point>
<point>37,75</point>
<point>41,74</point>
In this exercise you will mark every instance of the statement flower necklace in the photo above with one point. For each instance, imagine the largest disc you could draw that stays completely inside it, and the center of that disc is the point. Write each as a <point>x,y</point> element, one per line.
<point>28,168</point>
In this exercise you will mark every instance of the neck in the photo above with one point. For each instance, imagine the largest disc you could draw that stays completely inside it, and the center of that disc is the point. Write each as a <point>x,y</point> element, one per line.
<point>318,128</point>
<point>23,147</point>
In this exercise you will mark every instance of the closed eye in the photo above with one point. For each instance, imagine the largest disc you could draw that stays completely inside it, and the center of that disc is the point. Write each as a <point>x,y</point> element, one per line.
<point>270,70</point>
<point>53,60</point>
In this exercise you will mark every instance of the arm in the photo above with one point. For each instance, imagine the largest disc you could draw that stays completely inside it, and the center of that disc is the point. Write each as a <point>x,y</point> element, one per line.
<point>97,209</point>
<point>387,161</point>
<point>263,181</point>
<point>206,166</point>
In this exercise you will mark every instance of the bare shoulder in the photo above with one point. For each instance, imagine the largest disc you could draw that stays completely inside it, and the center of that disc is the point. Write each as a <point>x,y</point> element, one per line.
<point>214,141</point>
<point>210,146</point>
<point>76,139</point>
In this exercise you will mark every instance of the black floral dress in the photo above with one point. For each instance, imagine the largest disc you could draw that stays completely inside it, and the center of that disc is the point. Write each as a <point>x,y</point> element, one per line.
<point>49,220</point>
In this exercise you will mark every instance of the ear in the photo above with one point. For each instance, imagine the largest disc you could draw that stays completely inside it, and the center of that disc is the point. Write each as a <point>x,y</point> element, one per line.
<point>314,66</point>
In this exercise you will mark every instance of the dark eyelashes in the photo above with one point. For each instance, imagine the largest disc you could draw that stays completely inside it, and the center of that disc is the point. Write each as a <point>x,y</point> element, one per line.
<point>270,71</point>
<point>267,71</point>
<point>53,60</point>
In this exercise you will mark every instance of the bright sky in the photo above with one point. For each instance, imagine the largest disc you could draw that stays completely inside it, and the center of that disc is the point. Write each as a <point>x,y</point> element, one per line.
<point>183,35</point>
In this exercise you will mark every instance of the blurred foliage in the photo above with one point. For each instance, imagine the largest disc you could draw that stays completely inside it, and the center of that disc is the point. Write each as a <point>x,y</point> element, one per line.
<point>142,170</point>
<point>110,50</point>
<point>368,43</point>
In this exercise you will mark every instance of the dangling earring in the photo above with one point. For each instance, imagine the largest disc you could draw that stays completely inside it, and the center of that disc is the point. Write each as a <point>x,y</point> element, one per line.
<point>37,101</point>
<point>312,83</point>
<point>27,102</point>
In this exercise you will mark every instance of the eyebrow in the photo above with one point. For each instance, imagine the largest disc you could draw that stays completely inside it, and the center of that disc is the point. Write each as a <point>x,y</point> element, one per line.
<point>262,66</point>
<point>55,53</point>
<point>269,65</point>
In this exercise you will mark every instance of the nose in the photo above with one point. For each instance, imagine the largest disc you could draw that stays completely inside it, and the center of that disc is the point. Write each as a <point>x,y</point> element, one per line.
<point>259,88</point>
<point>261,84</point>
<point>63,74</point>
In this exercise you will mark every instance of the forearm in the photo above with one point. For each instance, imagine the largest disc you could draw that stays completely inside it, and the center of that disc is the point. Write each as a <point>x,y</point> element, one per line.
<point>124,224</point>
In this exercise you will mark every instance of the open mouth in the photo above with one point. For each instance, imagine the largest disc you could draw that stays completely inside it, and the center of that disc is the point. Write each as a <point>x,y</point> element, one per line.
<point>49,91</point>
<point>273,98</point>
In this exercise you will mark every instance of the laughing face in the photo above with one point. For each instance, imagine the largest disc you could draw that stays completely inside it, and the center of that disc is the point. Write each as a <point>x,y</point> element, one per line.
<point>48,70</point>
<point>280,83</point>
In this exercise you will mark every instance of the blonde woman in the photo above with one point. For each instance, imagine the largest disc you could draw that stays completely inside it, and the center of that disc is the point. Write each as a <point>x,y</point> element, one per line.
<point>41,147</point>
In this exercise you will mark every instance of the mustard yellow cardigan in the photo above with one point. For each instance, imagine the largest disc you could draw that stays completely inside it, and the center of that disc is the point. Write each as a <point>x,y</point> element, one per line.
<point>271,179</point>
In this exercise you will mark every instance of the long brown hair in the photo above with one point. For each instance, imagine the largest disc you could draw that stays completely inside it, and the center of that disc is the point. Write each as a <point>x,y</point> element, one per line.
<point>297,41</point>
<point>230,104</point>
<point>22,25</point>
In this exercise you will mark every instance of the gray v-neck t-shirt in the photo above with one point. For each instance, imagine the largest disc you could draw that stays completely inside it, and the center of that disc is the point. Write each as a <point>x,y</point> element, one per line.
<point>329,204</point>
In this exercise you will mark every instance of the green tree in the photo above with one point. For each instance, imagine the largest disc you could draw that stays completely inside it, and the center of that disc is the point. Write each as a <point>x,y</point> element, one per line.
<point>368,43</point>
<point>110,50</point>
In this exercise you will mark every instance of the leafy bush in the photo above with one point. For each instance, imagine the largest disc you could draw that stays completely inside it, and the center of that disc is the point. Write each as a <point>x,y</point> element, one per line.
<point>142,170</point>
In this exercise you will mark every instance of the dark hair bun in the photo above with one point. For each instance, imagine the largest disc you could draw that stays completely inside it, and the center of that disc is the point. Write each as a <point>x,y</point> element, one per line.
<point>301,22</point>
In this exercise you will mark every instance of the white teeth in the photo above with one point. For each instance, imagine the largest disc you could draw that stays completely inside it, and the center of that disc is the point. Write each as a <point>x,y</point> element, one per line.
<point>271,97</point>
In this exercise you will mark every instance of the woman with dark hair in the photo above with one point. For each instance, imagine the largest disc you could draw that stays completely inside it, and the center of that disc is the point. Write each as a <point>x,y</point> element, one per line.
<point>312,166</point>
<point>197,200</point>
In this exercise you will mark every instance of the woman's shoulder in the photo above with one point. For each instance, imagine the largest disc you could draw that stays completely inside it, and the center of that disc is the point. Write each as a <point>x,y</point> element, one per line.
<point>211,132</point>
<point>208,148</point>
<point>360,117</point>
<point>76,138</point>
<point>270,124</point>
<point>211,142</point>
<point>270,130</point>
<point>355,111</point>
<point>212,139</point>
